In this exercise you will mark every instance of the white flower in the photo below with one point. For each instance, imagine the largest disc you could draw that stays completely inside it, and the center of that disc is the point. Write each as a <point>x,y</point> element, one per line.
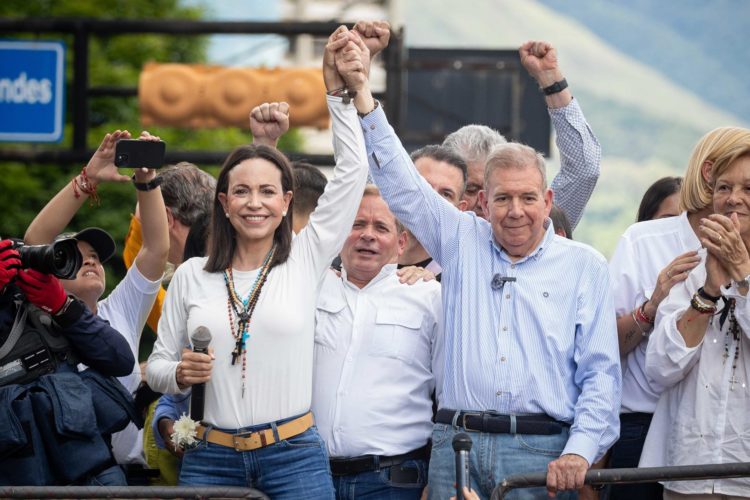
<point>185,432</point>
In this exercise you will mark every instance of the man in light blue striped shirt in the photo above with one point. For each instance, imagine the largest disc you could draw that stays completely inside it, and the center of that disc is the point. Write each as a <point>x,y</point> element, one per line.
<point>531,343</point>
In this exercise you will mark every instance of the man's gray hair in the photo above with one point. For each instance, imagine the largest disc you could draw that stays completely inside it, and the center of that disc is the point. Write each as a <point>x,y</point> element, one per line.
<point>474,143</point>
<point>188,191</point>
<point>515,155</point>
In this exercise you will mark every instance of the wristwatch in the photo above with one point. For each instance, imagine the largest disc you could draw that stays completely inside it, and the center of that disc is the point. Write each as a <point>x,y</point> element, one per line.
<point>147,186</point>
<point>555,87</point>
<point>743,283</point>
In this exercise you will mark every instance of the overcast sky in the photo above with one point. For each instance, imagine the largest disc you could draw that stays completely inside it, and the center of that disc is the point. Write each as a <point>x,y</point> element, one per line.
<point>244,50</point>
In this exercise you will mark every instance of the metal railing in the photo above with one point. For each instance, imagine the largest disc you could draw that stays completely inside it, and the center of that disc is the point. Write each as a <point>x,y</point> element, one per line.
<point>130,492</point>
<point>634,475</point>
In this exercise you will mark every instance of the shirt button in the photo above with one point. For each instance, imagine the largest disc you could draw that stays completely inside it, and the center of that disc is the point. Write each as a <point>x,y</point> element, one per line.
<point>512,266</point>
<point>502,359</point>
<point>507,295</point>
<point>505,328</point>
<point>372,127</point>
<point>499,393</point>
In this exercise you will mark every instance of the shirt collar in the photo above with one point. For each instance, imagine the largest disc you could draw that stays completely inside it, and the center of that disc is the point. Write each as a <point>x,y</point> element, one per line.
<point>386,271</point>
<point>549,234</point>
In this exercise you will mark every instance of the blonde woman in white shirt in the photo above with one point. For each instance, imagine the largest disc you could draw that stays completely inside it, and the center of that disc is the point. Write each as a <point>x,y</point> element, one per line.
<point>700,349</point>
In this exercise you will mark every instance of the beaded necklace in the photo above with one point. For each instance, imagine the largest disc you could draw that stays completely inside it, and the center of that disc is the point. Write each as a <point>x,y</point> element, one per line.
<point>736,332</point>
<point>243,311</point>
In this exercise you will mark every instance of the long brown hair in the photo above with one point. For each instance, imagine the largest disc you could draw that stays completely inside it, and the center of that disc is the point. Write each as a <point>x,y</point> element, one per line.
<point>221,240</point>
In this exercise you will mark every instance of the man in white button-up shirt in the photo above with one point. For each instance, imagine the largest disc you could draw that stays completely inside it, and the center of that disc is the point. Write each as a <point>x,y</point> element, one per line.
<point>377,347</point>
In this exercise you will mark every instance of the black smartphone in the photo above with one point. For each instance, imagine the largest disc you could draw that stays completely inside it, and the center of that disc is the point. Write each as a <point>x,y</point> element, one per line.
<point>139,154</point>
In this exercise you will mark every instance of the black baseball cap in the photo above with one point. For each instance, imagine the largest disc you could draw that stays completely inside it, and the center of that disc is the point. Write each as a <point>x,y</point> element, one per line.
<point>98,238</point>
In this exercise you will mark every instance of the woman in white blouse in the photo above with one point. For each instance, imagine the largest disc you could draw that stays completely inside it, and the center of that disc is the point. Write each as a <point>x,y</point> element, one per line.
<point>256,292</point>
<point>700,349</point>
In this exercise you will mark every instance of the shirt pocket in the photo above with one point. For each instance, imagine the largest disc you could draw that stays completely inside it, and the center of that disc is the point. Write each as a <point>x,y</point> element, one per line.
<point>328,321</point>
<point>396,334</point>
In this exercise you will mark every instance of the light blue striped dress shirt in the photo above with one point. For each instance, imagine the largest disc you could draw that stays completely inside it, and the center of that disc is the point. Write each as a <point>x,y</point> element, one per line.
<point>546,343</point>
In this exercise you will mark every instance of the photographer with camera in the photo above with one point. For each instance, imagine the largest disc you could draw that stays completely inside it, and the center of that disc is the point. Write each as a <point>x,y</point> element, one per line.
<point>128,306</point>
<point>56,422</point>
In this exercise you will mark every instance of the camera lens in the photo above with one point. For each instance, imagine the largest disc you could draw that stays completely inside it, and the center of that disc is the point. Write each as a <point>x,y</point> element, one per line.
<point>61,258</point>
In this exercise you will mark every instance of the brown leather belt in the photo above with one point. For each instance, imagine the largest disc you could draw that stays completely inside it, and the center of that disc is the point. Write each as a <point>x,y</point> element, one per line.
<point>258,439</point>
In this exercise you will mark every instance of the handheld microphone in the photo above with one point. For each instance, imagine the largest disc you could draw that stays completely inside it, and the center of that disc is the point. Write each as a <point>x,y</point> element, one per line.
<point>498,282</point>
<point>462,446</point>
<point>200,338</point>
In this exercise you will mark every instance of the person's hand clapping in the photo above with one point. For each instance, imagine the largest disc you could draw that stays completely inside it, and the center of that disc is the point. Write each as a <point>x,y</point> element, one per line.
<point>268,122</point>
<point>674,272</point>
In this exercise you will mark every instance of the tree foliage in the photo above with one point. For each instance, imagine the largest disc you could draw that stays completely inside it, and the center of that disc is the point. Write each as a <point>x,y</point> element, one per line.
<point>117,61</point>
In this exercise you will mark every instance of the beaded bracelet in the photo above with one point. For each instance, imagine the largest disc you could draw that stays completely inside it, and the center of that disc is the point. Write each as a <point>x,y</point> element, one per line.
<point>640,314</point>
<point>703,308</point>
<point>85,186</point>
<point>635,320</point>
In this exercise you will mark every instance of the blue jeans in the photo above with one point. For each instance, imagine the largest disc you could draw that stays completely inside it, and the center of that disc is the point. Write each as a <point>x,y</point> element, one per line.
<point>293,468</point>
<point>112,476</point>
<point>626,452</point>
<point>493,457</point>
<point>380,484</point>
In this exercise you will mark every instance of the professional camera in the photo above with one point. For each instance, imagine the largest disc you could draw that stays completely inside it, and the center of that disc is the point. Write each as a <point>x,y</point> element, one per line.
<point>61,258</point>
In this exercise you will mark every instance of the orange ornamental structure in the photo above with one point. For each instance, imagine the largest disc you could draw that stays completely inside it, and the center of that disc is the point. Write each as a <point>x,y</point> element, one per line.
<point>199,96</point>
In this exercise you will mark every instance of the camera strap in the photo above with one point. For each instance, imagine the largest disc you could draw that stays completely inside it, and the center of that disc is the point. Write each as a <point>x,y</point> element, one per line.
<point>15,333</point>
<point>33,347</point>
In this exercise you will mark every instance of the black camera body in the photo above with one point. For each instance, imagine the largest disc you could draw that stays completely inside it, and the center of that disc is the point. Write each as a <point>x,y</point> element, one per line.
<point>61,258</point>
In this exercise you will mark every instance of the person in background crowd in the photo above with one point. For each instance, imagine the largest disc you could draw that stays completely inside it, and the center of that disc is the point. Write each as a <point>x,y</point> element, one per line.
<point>127,307</point>
<point>560,222</point>
<point>378,348</point>
<point>652,257</point>
<point>495,341</point>
<point>309,184</point>
<point>258,430</point>
<point>187,193</point>
<point>580,153</point>
<point>699,349</point>
<point>445,171</point>
<point>661,199</point>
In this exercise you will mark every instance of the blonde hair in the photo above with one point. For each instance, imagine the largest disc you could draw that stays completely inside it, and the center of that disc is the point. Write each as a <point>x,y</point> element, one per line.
<point>725,161</point>
<point>696,193</point>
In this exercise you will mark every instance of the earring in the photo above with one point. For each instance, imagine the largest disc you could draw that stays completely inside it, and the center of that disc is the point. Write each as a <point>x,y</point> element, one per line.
<point>227,214</point>
<point>283,214</point>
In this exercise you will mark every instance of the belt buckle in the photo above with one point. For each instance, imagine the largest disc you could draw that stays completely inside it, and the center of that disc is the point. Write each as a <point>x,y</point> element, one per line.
<point>237,440</point>
<point>463,421</point>
<point>249,441</point>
